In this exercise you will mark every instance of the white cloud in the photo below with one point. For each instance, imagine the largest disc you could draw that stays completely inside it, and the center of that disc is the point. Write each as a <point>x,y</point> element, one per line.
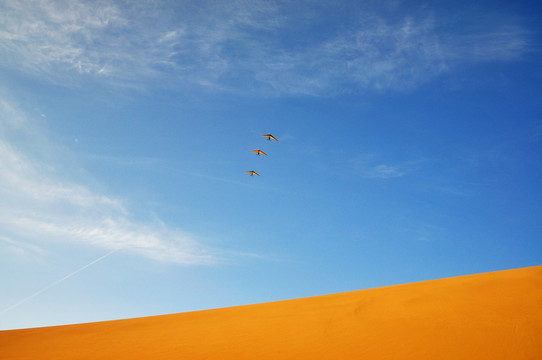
<point>20,249</point>
<point>272,47</point>
<point>22,179</point>
<point>44,34</point>
<point>370,166</point>
<point>39,205</point>
<point>384,171</point>
<point>155,242</point>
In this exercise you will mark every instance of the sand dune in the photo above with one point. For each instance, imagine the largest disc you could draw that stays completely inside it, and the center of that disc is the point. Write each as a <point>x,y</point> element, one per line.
<point>484,316</point>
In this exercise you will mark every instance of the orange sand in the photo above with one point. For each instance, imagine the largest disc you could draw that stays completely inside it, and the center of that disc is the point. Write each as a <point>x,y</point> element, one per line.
<point>485,316</point>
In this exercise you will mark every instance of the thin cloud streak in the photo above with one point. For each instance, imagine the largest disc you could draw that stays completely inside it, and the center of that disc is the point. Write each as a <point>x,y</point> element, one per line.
<point>240,47</point>
<point>41,291</point>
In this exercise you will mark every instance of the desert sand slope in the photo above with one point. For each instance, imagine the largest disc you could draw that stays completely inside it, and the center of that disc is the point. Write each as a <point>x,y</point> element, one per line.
<point>484,316</point>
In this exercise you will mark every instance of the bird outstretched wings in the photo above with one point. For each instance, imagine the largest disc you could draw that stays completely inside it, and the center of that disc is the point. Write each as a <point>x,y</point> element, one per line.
<point>252,173</point>
<point>258,152</point>
<point>269,137</point>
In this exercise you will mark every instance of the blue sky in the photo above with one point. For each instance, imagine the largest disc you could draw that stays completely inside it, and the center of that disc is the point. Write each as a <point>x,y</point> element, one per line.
<point>410,148</point>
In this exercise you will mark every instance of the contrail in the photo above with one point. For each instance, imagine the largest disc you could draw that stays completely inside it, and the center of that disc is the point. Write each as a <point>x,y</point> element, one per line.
<point>56,282</point>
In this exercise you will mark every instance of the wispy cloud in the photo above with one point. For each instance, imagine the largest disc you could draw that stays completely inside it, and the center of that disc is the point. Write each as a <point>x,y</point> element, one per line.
<point>20,249</point>
<point>383,171</point>
<point>45,34</point>
<point>500,42</point>
<point>372,167</point>
<point>271,47</point>
<point>38,203</point>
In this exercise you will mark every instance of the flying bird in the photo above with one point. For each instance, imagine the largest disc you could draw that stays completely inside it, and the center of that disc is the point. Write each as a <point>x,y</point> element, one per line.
<point>258,152</point>
<point>269,137</point>
<point>252,173</point>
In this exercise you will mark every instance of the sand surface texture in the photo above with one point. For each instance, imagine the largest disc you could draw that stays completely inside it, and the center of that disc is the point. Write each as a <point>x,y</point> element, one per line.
<point>493,316</point>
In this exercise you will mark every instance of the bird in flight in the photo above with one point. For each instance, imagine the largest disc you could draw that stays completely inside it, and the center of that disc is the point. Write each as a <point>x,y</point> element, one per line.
<point>269,137</point>
<point>252,173</point>
<point>258,152</point>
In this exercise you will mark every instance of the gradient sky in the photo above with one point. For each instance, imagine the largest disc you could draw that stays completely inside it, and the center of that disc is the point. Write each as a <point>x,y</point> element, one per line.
<point>410,148</point>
